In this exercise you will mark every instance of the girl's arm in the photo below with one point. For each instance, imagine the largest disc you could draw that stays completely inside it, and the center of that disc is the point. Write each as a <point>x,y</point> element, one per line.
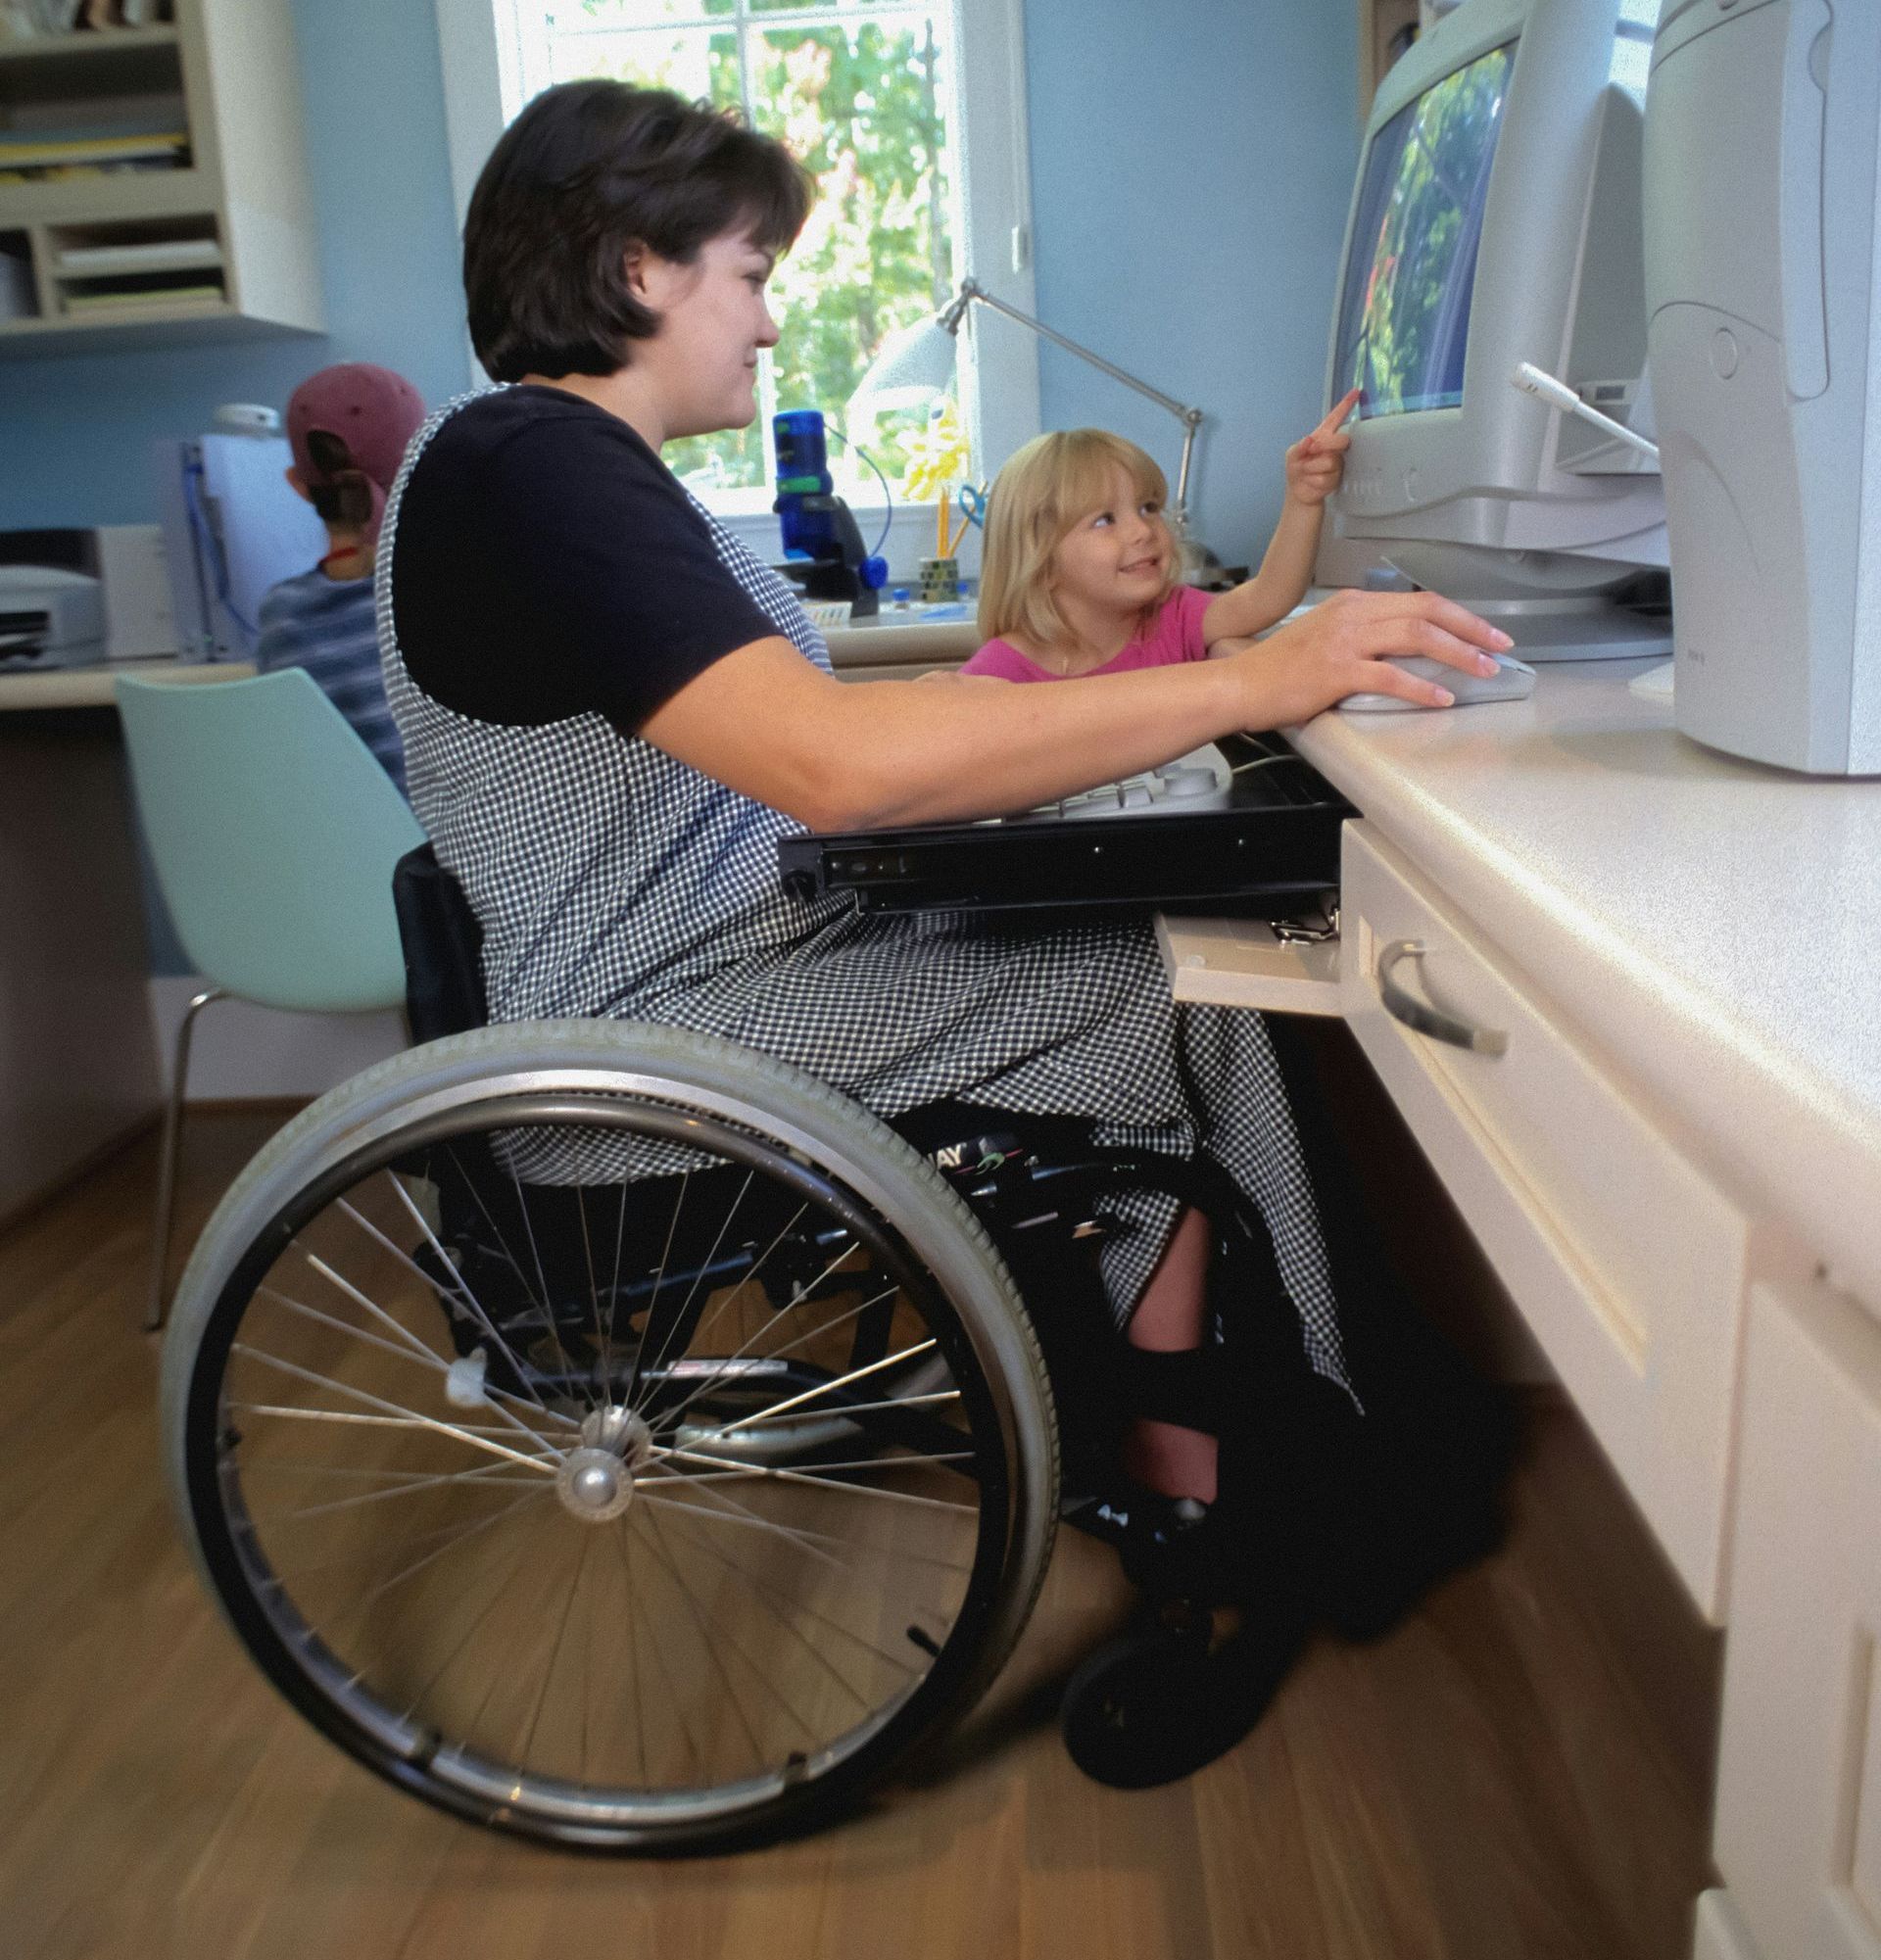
<point>841,756</point>
<point>1315,465</point>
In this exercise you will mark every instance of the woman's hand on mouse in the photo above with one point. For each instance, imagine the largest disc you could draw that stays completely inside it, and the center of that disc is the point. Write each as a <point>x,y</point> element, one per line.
<point>1345,645</point>
<point>1316,463</point>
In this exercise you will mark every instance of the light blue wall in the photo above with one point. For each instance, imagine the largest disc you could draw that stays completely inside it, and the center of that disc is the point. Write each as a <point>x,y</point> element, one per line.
<point>1190,169</point>
<point>75,430</point>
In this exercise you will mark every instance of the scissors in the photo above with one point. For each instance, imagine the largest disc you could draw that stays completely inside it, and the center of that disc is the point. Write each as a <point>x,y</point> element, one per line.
<point>973,504</point>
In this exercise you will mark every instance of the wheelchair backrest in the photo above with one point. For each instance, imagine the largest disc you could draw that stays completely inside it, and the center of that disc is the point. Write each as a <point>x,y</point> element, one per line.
<point>442,947</point>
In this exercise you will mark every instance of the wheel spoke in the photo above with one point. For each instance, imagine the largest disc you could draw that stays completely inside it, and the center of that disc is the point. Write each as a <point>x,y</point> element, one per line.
<point>462,1292</point>
<point>768,1590</point>
<point>670,1417</point>
<point>418,1354</point>
<point>699,1279</point>
<point>705,1640</point>
<point>496,1599</point>
<point>548,1305</point>
<point>405,1490</point>
<point>782,1475</point>
<point>674,1699</point>
<point>808,1540</point>
<point>284,1413</point>
<point>409,1415</point>
<point>450,1265</point>
<point>554,1652</point>
<point>460,1534</point>
<point>784,1407</point>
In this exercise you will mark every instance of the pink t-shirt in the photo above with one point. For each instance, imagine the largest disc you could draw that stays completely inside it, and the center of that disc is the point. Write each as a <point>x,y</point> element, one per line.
<point>1175,635</point>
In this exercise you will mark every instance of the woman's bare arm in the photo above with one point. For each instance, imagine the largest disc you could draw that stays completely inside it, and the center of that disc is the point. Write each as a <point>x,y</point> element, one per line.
<point>844,757</point>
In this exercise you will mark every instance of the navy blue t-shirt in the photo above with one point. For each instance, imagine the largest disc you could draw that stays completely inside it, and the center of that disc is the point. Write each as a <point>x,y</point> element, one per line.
<point>547,564</point>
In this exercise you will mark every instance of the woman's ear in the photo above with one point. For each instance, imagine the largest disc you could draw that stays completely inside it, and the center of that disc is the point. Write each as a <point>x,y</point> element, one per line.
<point>634,267</point>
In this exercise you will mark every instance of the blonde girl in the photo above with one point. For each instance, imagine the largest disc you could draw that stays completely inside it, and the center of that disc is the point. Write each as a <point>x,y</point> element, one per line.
<point>1082,569</point>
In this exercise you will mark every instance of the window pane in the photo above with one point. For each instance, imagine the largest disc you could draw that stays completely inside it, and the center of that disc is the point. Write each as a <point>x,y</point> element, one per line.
<point>575,15</point>
<point>697,62</point>
<point>833,7</point>
<point>866,103</point>
<point>866,106</point>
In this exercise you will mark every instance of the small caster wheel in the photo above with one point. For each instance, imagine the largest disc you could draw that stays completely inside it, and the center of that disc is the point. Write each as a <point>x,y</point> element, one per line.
<point>1154,1706</point>
<point>1130,1709</point>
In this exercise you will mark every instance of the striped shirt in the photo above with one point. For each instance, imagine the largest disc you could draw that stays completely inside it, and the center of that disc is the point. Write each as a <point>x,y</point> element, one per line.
<point>329,626</point>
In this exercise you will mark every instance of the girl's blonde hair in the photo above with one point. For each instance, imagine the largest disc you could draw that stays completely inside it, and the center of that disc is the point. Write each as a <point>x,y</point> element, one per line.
<point>1035,500</point>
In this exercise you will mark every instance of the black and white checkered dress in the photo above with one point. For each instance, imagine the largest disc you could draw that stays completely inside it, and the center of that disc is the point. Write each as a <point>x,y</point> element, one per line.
<point>612,881</point>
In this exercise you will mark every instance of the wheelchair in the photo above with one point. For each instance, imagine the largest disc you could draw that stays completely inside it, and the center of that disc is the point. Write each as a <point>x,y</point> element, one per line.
<point>621,1439</point>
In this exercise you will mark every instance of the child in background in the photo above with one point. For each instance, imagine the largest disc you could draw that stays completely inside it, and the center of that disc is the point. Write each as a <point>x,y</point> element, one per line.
<point>348,427</point>
<point>1079,573</point>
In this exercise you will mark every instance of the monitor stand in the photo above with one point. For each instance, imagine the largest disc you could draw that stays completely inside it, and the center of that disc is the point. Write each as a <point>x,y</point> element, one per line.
<point>1579,628</point>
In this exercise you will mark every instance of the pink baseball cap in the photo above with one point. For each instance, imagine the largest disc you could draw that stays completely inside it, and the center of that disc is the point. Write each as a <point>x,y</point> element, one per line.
<point>372,411</point>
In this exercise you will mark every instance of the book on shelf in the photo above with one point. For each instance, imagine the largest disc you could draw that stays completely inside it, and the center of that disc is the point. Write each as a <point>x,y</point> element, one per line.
<point>154,254</point>
<point>48,20</point>
<point>163,298</point>
<point>19,155</point>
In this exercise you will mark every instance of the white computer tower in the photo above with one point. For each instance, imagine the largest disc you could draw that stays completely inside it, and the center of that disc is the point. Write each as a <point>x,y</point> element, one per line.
<point>1761,215</point>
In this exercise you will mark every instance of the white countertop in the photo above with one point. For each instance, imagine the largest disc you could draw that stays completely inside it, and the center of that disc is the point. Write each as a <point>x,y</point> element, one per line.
<point>900,640</point>
<point>1713,925</point>
<point>95,686</point>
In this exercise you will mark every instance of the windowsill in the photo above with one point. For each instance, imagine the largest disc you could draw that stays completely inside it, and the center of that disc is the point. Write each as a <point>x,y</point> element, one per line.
<point>762,503</point>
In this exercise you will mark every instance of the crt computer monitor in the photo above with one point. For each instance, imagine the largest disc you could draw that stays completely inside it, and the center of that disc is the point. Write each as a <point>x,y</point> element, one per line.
<point>1496,220</point>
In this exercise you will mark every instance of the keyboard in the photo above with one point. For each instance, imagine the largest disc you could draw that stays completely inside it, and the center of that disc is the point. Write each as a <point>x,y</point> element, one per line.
<point>1243,827</point>
<point>1193,782</point>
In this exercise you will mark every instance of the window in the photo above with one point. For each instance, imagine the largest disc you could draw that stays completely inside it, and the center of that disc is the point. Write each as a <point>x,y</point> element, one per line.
<point>898,107</point>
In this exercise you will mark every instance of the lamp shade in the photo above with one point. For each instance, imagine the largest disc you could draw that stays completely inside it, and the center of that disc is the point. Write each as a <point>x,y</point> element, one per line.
<point>913,365</point>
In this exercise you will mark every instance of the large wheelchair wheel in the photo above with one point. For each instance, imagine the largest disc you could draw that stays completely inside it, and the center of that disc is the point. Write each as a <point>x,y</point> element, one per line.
<point>636,1512</point>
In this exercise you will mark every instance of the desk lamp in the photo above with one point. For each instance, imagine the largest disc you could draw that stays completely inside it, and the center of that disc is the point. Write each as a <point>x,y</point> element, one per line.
<point>919,362</point>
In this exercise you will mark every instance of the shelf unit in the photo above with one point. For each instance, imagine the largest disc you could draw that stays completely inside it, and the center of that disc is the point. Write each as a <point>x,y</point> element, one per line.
<point>1379,24</point>
<point>209,235</point>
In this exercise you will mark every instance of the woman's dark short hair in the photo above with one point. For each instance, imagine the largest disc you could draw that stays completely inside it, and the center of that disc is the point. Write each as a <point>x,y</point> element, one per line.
<point>587,170</point>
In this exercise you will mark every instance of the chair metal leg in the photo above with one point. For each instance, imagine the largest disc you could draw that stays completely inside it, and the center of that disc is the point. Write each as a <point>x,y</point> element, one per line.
<point>156,1308</point>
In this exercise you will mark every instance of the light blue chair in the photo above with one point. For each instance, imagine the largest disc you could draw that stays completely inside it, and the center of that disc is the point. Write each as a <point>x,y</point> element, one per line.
<point>273,832</point>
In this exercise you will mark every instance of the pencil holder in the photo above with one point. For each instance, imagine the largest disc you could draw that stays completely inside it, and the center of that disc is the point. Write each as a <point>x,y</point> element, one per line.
<point>939,580</point>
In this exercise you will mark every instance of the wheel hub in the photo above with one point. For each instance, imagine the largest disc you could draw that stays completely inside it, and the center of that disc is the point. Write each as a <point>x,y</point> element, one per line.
<point>596,1480</point>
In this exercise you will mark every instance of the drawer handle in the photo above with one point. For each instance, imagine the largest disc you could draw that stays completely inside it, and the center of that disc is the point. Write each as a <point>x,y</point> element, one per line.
<point>1428,1020</point>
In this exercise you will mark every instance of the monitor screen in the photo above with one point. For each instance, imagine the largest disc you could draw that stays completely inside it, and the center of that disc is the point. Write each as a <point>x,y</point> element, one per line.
<point>1404,316</point>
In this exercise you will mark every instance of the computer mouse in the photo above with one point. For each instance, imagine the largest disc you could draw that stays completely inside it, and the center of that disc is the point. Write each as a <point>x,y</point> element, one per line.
<point>1513,680</point>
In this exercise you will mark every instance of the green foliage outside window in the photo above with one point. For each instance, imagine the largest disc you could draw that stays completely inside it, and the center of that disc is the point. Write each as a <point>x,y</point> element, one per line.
<point>864,103</point>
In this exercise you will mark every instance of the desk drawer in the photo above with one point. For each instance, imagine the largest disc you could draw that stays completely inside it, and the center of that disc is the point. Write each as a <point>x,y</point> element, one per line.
<point>1628,1266</point>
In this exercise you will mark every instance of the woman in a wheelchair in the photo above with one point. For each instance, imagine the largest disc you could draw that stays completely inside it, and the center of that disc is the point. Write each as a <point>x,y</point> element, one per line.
<point>605,1424</point>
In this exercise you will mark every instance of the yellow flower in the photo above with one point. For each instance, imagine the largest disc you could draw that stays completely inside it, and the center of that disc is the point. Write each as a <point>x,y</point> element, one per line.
<point>938,456</point>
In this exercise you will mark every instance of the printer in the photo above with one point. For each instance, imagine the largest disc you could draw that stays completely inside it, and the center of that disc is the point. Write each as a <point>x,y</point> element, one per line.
<point>52,602</point>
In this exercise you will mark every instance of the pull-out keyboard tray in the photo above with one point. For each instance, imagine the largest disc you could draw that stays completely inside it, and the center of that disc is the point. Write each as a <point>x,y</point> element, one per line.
<point>1246,826</point>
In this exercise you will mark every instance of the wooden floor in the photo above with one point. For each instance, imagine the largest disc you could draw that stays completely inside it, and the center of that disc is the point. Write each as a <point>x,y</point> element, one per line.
<point>1518,1771</point>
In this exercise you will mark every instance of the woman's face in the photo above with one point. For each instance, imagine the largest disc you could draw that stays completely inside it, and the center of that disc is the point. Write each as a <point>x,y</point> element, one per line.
<point>703,363</point>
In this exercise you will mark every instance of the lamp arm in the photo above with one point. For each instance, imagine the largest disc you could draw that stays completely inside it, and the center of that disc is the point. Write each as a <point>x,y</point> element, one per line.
<point>971,290</point>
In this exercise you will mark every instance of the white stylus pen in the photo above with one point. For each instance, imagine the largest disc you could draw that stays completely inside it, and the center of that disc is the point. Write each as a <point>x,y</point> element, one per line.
<point>1531,380</point>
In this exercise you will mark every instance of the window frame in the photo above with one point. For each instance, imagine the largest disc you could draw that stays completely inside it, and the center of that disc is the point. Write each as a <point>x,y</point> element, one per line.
<point>482,59</point>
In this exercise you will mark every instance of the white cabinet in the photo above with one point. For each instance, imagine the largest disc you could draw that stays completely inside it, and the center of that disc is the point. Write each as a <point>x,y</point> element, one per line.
<point>1626,1263</point>
<point>153,182</point>
<point>1799,1802</point>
